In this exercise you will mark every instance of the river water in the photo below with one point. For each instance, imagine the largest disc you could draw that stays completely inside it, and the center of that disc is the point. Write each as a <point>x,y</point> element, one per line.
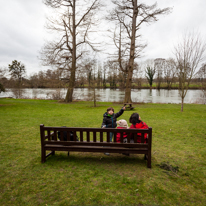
<point>111,95</point>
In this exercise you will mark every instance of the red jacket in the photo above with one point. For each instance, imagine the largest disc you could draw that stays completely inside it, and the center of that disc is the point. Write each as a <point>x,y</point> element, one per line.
<point>118,134</point>
<point>141,125</point>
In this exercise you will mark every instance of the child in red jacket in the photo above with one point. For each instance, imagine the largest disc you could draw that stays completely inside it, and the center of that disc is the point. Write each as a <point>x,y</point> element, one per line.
<point>138,124</point>
<point>122,124</point>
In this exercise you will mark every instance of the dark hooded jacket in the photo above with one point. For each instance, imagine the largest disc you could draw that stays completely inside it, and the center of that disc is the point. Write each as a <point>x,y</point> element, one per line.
<point>110,121</point>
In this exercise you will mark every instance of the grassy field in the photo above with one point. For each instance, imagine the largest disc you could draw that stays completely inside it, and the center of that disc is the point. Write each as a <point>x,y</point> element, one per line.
<point>177,177</point>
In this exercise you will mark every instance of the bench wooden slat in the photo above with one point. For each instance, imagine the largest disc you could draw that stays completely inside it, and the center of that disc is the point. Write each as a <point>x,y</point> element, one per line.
<point>135,137</point>
<point>48,135</point>
<point>94,137</point>
<point>108,136</point>
<point>128,137</point>
<point>75,136</point>
<point>93,129</point>
<point>68,135</point>
<point>115,137</point>
<point>88,136</point>
<point>101,136</point>
<point>109,144</point>
<point>81,136</point>
<point>142,138</point>
<point>121,137</point>
<point>61,135</point>
<point>54,136</point>
<point>98,149</point>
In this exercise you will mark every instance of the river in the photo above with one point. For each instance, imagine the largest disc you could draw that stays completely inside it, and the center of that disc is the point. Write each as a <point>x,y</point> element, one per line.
<point>111,95</point>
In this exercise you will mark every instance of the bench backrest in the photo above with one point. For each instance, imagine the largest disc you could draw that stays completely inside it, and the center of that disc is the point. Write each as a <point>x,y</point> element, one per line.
<point>94,136</point>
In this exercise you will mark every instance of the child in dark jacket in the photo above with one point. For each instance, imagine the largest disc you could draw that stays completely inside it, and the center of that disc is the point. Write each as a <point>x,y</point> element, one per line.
<point>138,124</point>
<point>110,119</point>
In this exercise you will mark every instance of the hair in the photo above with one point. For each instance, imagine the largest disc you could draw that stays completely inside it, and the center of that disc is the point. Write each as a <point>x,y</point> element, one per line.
<point>134,118</point>
<point>110,108</point>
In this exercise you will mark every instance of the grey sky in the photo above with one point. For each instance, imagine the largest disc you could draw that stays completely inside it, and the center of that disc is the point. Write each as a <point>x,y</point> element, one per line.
<point>22,32</point>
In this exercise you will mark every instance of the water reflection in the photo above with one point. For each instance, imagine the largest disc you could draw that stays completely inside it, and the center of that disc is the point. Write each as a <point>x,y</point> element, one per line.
<point>111,95</point>
<point>17,93</point>
<point>157,92</point>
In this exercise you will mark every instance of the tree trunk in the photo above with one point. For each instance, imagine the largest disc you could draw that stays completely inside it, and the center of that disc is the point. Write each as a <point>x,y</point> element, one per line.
<point>182,104</point>
<point>127,98</point>
<point>73,69</point>
<point>94,98</point>
<point>70,88</point>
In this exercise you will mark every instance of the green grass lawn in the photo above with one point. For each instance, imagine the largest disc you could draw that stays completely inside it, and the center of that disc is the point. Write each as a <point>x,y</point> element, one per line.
<point>179,141</point>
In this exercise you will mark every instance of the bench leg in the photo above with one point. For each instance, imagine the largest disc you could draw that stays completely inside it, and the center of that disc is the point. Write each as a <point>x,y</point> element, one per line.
<point>43,155</point>
<point>149,160</point>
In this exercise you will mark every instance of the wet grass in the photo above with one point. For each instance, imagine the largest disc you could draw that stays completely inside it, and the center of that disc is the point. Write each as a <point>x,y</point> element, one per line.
<point>177,177</point>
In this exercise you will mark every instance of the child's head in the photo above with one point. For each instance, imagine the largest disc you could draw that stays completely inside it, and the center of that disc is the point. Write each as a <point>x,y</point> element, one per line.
<point>110,110</point>
<point>122,123</point>
<point>135,118</point>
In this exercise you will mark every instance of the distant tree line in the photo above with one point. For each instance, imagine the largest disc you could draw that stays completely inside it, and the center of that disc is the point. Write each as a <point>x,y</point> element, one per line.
<point>157,73</point>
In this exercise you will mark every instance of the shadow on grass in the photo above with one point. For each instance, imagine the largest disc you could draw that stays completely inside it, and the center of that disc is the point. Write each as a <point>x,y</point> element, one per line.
<point>96,159</point>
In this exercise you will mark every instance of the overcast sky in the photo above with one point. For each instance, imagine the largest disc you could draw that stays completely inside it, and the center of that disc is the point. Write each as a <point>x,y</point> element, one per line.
<point>22,32</point>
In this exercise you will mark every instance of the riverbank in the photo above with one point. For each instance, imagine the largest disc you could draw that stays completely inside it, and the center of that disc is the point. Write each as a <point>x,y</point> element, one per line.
<point>147,86</point>
<point>177,176</point>
<point>193,86</point>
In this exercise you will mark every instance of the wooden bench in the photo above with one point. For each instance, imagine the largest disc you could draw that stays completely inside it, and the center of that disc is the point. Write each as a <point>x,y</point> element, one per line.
<point>128,106</point>
<point>93,140</point>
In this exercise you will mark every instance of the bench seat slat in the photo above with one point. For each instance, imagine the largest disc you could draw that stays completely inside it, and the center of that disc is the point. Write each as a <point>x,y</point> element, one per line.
<point>98,149</point>
<point>109,144</point>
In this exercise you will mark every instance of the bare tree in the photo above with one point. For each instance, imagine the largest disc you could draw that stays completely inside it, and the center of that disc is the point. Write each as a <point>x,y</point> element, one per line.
<point>189,53</point>
<point>73,25</point>
<point>159,65</point>
<point>131,15</point>
<point>92,95</point>
<point>139,75</point>
<point>88,66</point>
<point>169,72</point>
